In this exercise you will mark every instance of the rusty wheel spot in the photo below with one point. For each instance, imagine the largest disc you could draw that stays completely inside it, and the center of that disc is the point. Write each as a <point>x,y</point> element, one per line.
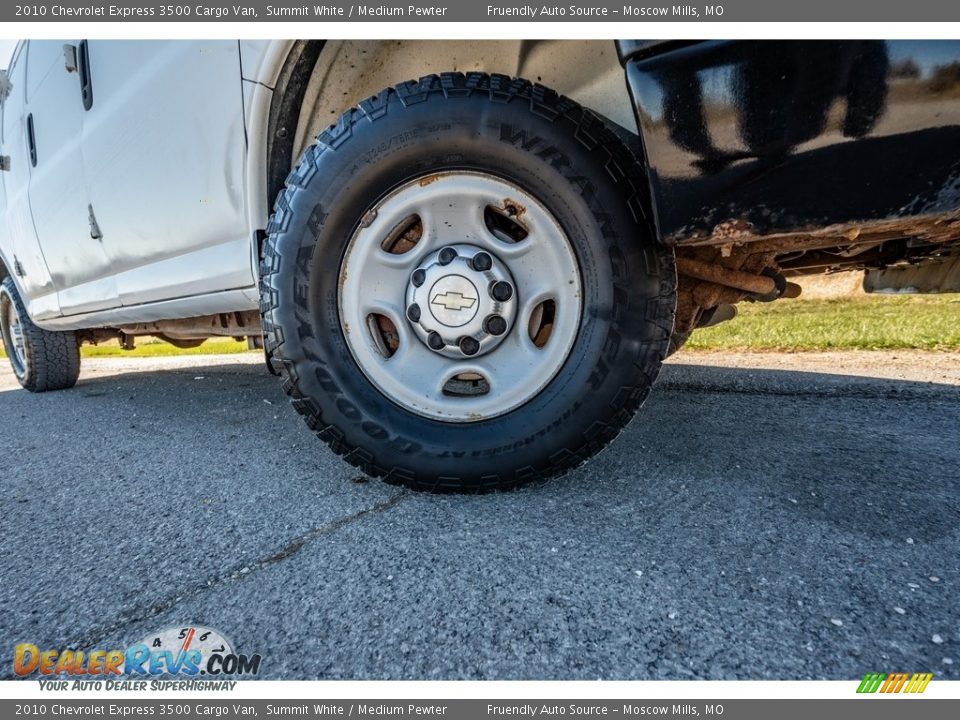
<point>404,237</point>
<point>504,222</point>
<point>541,322</point>
<point>384,334</point>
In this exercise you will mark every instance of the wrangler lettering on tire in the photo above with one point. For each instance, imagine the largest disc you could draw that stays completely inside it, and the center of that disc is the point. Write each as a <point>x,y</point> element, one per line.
<point>460,287</point>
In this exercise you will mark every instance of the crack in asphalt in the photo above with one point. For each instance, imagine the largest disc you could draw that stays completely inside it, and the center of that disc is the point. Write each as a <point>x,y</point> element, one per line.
<point>239,572</point>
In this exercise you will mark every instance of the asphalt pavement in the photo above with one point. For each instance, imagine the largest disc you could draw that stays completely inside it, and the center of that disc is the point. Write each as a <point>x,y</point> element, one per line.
<point>764,517</point>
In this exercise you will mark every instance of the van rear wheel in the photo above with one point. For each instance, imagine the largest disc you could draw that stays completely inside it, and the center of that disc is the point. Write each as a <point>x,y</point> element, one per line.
<point>42,360</point>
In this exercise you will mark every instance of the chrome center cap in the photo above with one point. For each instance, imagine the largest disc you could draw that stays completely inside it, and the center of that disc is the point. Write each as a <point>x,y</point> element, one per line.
<point>454,300</point>
<point>461,301</point>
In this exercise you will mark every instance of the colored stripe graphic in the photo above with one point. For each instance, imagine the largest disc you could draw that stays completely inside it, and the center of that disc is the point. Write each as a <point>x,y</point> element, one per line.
<point>870,682</point>
<point>890,683</point>
<point>919,682</point>
<point>894,683</point>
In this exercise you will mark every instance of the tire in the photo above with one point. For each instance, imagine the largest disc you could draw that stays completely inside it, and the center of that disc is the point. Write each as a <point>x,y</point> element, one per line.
<point>46,360</point>
<point>507,130</point>
<point>677,341</point>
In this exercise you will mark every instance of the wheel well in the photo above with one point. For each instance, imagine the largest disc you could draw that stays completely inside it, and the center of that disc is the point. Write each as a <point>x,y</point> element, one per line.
<point>285,107</point>
<point>320,79</point>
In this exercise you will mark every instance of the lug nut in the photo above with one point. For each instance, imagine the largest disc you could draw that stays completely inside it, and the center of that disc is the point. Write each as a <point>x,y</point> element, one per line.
<point>482,262</point>
<point>418,278</point>
<point>501,291</point>
<point>469,346</point>
<point>447,256</point>
<point>413,312</point>
<point>435,341</point>
<point>495,325</point>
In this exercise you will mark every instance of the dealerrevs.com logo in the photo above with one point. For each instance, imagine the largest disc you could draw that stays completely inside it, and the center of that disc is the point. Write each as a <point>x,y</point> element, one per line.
<point>190,651</point>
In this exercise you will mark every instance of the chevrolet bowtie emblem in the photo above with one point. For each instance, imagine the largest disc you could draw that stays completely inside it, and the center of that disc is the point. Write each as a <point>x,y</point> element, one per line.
<point>453,300</point>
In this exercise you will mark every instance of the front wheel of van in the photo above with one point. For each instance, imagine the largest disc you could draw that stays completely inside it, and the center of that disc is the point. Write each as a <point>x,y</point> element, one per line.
<point>460,287</point>
<point>41,359</point>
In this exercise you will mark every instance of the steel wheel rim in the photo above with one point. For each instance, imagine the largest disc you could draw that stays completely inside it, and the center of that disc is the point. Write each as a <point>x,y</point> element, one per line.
<point>15,340</point>
<point>460,211</point>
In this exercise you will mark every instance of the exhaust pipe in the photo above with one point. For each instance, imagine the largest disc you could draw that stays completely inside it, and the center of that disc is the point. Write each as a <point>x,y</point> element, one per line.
<point>766,287</point>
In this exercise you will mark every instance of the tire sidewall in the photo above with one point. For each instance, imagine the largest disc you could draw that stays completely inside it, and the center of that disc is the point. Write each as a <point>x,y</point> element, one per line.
<point>10,297</point>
